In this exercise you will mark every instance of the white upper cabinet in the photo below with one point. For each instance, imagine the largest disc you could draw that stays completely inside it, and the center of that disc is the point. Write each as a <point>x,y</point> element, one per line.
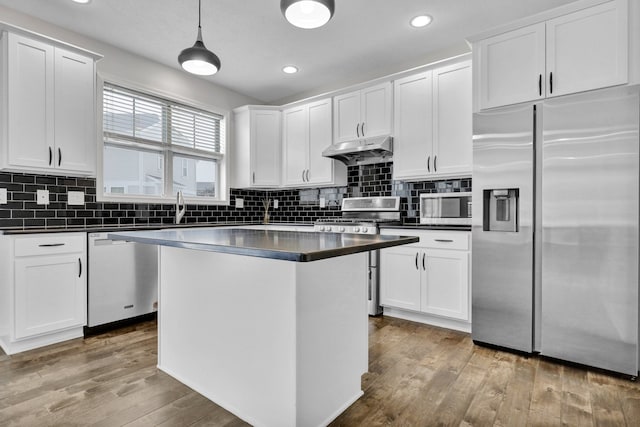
<point>306,133</point>
<point>50,108</point>
<point>413,127</point>
<point>574,52</point>
<point>452,114</point>
<point>257,148</point>
<point>511,67</point>
<point>432,123</point>
<point>587,49</point>
<point>363,114</point>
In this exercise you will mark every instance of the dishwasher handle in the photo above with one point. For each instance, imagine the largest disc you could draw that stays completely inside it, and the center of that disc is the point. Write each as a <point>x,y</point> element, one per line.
<point>106,242</point>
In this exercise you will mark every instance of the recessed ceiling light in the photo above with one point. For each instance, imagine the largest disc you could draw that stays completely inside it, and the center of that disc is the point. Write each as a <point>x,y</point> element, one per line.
<point>82,1</point>
<point>290,69</point>
<point>421,21</point>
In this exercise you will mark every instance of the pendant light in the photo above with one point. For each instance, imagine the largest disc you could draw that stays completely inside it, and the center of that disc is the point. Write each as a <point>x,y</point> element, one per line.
<point>198,59</point>
<point>307,14</point>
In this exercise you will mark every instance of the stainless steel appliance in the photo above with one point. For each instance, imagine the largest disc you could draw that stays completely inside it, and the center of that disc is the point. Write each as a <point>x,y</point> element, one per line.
<point>363,215</point>
<point>555,228</point>
<point>362,151</point>
<point>445,208</point>
<point>122,279</point>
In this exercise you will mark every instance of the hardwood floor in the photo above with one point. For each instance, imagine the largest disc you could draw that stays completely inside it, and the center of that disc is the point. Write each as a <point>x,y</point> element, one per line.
<point>419,376</point>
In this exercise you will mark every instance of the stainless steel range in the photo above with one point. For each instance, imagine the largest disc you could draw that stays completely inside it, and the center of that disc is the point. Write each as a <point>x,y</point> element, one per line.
<point>363,215</point>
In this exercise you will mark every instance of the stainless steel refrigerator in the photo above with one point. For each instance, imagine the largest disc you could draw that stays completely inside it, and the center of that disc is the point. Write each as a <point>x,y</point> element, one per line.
<point>555,228</point>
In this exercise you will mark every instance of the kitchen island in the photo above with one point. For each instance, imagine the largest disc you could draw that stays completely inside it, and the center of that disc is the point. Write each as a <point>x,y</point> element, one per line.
<point>270,325</point>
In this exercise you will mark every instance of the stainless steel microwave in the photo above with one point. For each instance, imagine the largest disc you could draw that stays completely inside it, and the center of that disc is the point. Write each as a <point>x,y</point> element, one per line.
<point>445,208</point>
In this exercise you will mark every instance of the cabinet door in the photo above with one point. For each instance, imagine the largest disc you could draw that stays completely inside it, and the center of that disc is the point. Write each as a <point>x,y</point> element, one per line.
<point>265,148</point>
<point>320,167</point>
<point>376,110</point>
<point>445,284</point>
<point>75,137</point>
<point>295,140</point>
<point>346,110</point>
<point>400,278</point>
<point>413,140</point>
<point>587,49</point>
<point>50,293</point>
<point>30,106</point>
<point>512,67</point>
<point>452,113</point>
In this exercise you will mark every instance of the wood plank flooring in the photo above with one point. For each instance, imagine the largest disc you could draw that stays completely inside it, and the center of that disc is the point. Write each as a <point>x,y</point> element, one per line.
<point>419,376</point>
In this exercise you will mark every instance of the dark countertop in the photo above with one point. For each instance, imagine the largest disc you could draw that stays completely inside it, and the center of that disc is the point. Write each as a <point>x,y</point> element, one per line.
<point>141,227</point>
<point>283,245</point>
<point>428,227</point>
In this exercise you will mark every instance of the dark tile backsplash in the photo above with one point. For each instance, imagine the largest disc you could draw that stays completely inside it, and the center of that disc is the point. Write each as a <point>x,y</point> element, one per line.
<point>303,205</point>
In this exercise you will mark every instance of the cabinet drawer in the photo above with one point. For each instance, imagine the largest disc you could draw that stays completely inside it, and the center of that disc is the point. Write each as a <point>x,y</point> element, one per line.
<point>46,244</point>
<point>458,240</point>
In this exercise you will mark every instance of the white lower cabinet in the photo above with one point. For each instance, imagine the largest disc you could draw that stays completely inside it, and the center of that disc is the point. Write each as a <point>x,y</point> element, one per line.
<point>46,286</point>
<point>428,281</point>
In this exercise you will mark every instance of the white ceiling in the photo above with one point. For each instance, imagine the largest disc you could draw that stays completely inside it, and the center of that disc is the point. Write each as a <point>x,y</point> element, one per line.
<point>364,40</point>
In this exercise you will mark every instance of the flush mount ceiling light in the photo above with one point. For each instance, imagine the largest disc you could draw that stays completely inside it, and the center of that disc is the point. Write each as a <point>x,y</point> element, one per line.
<point>421,21</point>
<point>290,69</point>
<point>81,1</point>
<point>198,59</point>
<point>307,14</point>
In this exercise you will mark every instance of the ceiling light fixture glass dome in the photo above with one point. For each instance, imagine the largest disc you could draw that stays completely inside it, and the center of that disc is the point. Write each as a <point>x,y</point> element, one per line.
<point>290,69</point>
<point>198,59</point>
<point>307,14</point>
<point>421,21</point>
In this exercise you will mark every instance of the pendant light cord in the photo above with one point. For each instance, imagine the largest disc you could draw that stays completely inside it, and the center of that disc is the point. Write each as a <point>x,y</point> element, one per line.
<point>199,11</point>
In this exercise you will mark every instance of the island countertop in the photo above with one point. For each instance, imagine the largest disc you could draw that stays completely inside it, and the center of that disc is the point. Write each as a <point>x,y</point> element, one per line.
<point>283,245</point>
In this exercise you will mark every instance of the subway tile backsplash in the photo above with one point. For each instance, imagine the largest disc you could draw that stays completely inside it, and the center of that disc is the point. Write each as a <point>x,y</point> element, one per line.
<point>295,205</point>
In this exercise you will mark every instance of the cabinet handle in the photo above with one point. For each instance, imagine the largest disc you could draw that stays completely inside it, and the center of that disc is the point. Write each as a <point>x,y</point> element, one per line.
<point>50,245</point>
<point>254,177</point>
<point>362,129</point>
<point>429,164</point>
<point>444,240</point>
<point>59,156</point>
<point>80,269</point>
<point>50,156</point>
<point>417,254</point>
<point>303,180</point>
<point>307,175</point>
<point>540,84</point>
<point>358,129</point>
<point>424,266</point>
<point>435,163</point>
<point>551,82</point>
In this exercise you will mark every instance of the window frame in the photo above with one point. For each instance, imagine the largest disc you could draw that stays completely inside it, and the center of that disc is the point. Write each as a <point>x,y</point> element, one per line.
<point>222,159</point>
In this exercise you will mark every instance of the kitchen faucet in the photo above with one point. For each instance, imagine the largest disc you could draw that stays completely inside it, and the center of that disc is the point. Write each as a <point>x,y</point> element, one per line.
<point>180,212</point>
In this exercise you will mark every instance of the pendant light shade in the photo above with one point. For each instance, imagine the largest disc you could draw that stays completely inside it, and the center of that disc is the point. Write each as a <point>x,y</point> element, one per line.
<point>307,14</point>
<point>198,59</point>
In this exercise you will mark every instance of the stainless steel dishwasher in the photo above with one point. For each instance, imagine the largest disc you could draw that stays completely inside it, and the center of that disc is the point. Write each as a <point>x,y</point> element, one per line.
<point>123,279</point>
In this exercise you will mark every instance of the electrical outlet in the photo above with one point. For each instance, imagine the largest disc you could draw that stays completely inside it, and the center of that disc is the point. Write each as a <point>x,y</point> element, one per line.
<point>239,203</point>
<point>3,196</point>
<point>42,197</point>
<point>75,198</point>
<point>275,203</point>
<point>323,202</point>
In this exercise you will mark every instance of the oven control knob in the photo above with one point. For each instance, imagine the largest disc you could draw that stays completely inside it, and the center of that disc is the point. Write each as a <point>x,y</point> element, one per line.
<point>364,229</point>
<point>356,229</point>
<point>342,229</point>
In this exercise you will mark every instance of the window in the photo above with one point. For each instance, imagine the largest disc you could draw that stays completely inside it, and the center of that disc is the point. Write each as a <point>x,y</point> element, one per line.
<point>154,147</point>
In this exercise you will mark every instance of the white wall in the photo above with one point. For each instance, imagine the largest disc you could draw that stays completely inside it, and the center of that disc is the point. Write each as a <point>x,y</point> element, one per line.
<point>136,70</point>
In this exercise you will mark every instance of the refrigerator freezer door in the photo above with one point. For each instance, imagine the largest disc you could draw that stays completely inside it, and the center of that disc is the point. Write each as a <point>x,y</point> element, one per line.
<point>590,230</point>
<point>502,265</point>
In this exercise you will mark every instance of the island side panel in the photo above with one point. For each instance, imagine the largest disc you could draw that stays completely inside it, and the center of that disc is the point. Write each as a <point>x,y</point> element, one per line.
<point>332,336</point>
<point>227,330</point>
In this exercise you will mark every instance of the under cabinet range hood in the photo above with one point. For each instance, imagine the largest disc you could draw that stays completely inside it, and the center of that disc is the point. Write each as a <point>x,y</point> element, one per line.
<point>362,151</point>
